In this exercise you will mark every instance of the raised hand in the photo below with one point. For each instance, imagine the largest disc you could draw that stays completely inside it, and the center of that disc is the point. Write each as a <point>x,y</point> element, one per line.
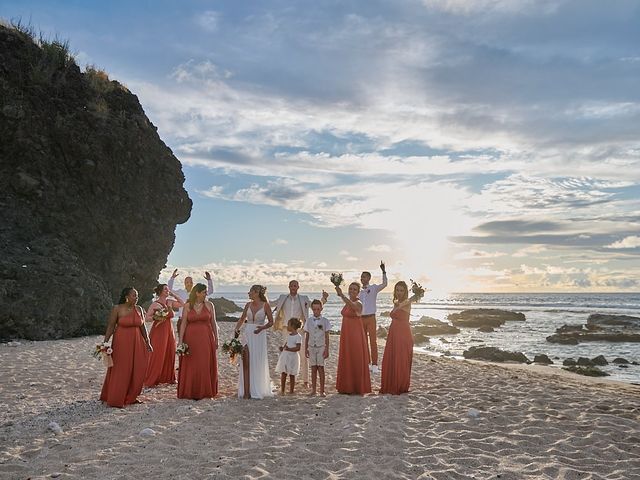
<point>325,295</point>
<point>382,267</point>
<point>207,275</point>
<point>175,273</point>
<point>339,292</point>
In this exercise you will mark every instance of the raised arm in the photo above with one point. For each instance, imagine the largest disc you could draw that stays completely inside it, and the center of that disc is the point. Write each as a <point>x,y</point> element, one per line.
<point>357,305</point>
<point>176,302</point>
<point>207,275</point>
<point>173,277</point>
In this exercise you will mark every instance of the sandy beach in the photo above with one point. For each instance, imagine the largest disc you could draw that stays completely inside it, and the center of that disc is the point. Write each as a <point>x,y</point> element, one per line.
<point>461,420</point>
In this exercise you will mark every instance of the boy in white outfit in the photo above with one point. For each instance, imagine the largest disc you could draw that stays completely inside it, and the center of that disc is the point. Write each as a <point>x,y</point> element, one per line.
<point>316,344</point>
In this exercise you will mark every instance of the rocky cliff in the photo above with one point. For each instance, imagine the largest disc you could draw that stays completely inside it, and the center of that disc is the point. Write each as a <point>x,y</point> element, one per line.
<point>90,195</point>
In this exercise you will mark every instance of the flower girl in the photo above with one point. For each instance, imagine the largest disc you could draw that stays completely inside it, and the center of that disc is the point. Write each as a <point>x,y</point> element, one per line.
<point>289,360</point>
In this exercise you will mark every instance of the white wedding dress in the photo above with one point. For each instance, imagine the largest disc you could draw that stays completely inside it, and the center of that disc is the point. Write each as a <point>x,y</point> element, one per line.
<point>260,385</point>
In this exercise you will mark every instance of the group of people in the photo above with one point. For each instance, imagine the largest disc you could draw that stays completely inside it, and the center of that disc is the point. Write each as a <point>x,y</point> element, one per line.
<point>142,359</point>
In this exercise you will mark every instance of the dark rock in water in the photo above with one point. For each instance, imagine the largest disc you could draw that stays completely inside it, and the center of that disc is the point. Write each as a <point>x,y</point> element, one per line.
<point>569,362</point>
<point>613,320</point>
<point>486,329</point>
<point>224,306</point>
<point>494,354</point>
<point>569,328</point>
<point>381,332</point>
<point>562,339</point>
<point>428,326</point>
<point>623,366</point>
<point>444,340</point>
<point>620,361</point>
<point>542,359</point>
<point>599,361</point>
<point>584,362</point>
<point>484,317</point>
<point>90,195</point>
<point>588,371</point>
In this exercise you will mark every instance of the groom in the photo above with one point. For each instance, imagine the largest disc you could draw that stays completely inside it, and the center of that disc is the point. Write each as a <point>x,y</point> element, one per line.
<point>294,306</point>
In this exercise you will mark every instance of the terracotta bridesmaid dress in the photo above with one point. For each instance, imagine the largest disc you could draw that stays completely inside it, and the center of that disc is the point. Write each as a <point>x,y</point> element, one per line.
<point>398,355</point>
<point>124,380</point>
<point>353,356</point>
<point>198,373</point>
<point>162,361</point>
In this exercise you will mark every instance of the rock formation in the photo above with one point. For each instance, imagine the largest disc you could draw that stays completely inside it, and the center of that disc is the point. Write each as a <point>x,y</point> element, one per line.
<point>484,317</point>
<point>90,194</point>
<point>493,354</point>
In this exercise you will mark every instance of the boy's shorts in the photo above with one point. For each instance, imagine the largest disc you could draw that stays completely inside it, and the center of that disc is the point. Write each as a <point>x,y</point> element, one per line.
<point>316,356</point>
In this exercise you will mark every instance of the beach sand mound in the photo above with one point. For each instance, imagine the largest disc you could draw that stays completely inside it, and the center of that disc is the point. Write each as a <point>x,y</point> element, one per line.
<point>461,420</point>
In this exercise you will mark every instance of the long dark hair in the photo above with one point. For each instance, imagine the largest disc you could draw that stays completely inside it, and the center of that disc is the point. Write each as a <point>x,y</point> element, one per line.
<point>261,292</point>
<point>198,287</point>
<point>123,295</point>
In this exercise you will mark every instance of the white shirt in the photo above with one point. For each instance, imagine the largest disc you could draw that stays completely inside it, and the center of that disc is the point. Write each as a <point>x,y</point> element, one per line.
<point>293,340</point>
<point>369,295</point>
<point>316,327</point>
<point>292,308</point>
<point>184,295</point>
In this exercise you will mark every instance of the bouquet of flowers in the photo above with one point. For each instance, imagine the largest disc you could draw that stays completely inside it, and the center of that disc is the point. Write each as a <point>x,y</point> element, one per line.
<point>103,352</point>
<point>233,348</point>
<point>336,279</point>
<point>160,315</point>
<point>182,349</point>
<point>417,289</point>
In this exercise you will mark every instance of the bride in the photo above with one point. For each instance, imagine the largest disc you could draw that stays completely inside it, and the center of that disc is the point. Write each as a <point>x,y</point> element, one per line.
<point>254,380</point>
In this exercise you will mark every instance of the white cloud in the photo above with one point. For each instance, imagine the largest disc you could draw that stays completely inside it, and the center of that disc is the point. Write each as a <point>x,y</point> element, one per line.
<point>632,241</point>
<point>352,259</point>
<point>379,248</point>
<point>208,20</point>
<point>477,254</point>
<point>280,241</point>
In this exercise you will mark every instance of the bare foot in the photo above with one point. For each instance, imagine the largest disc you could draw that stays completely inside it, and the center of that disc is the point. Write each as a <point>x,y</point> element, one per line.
<point>306,384</point>
<point>322,394</point>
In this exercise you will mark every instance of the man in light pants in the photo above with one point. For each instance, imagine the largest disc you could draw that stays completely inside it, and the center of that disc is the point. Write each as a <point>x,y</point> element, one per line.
<point>368,296</point>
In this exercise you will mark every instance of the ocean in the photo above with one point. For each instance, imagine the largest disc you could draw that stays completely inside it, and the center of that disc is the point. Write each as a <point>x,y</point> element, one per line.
<point>544,313</point>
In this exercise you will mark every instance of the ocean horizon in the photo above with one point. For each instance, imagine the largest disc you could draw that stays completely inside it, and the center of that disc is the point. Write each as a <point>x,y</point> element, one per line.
<point>544,312</point>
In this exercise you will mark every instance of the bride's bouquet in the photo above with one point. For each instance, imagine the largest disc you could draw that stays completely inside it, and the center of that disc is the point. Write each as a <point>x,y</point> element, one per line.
<point>182,349</point>
<point>417,290</point>
<point>160,315</point>
<point>336,279</point>
<point>103,352</point>
<point>233,348</point>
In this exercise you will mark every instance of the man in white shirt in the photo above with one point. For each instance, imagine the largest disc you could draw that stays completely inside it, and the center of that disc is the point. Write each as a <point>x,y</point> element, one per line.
<point>295,306</point>
<point>188,285</point>
<point>368,296</point>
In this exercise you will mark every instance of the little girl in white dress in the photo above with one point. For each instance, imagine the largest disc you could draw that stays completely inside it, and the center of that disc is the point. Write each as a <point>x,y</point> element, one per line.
<point>289,360</point>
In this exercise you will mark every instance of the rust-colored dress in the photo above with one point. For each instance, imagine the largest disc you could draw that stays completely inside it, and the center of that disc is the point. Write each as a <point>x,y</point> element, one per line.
<point>162,361</point>
<point>123,382</point>
<point>353,355</point>
<point>198,373</point>
<point>398,355</point>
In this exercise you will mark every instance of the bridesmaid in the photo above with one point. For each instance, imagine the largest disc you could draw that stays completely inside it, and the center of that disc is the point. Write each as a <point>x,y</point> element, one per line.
<point>123,382</point>
<point>398,352</point>
<point>198,373</point>
<point>162,363</point>
<point>353,355</point>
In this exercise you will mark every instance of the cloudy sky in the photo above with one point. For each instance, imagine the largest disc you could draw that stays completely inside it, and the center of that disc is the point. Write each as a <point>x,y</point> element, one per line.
<point>479,145</point>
